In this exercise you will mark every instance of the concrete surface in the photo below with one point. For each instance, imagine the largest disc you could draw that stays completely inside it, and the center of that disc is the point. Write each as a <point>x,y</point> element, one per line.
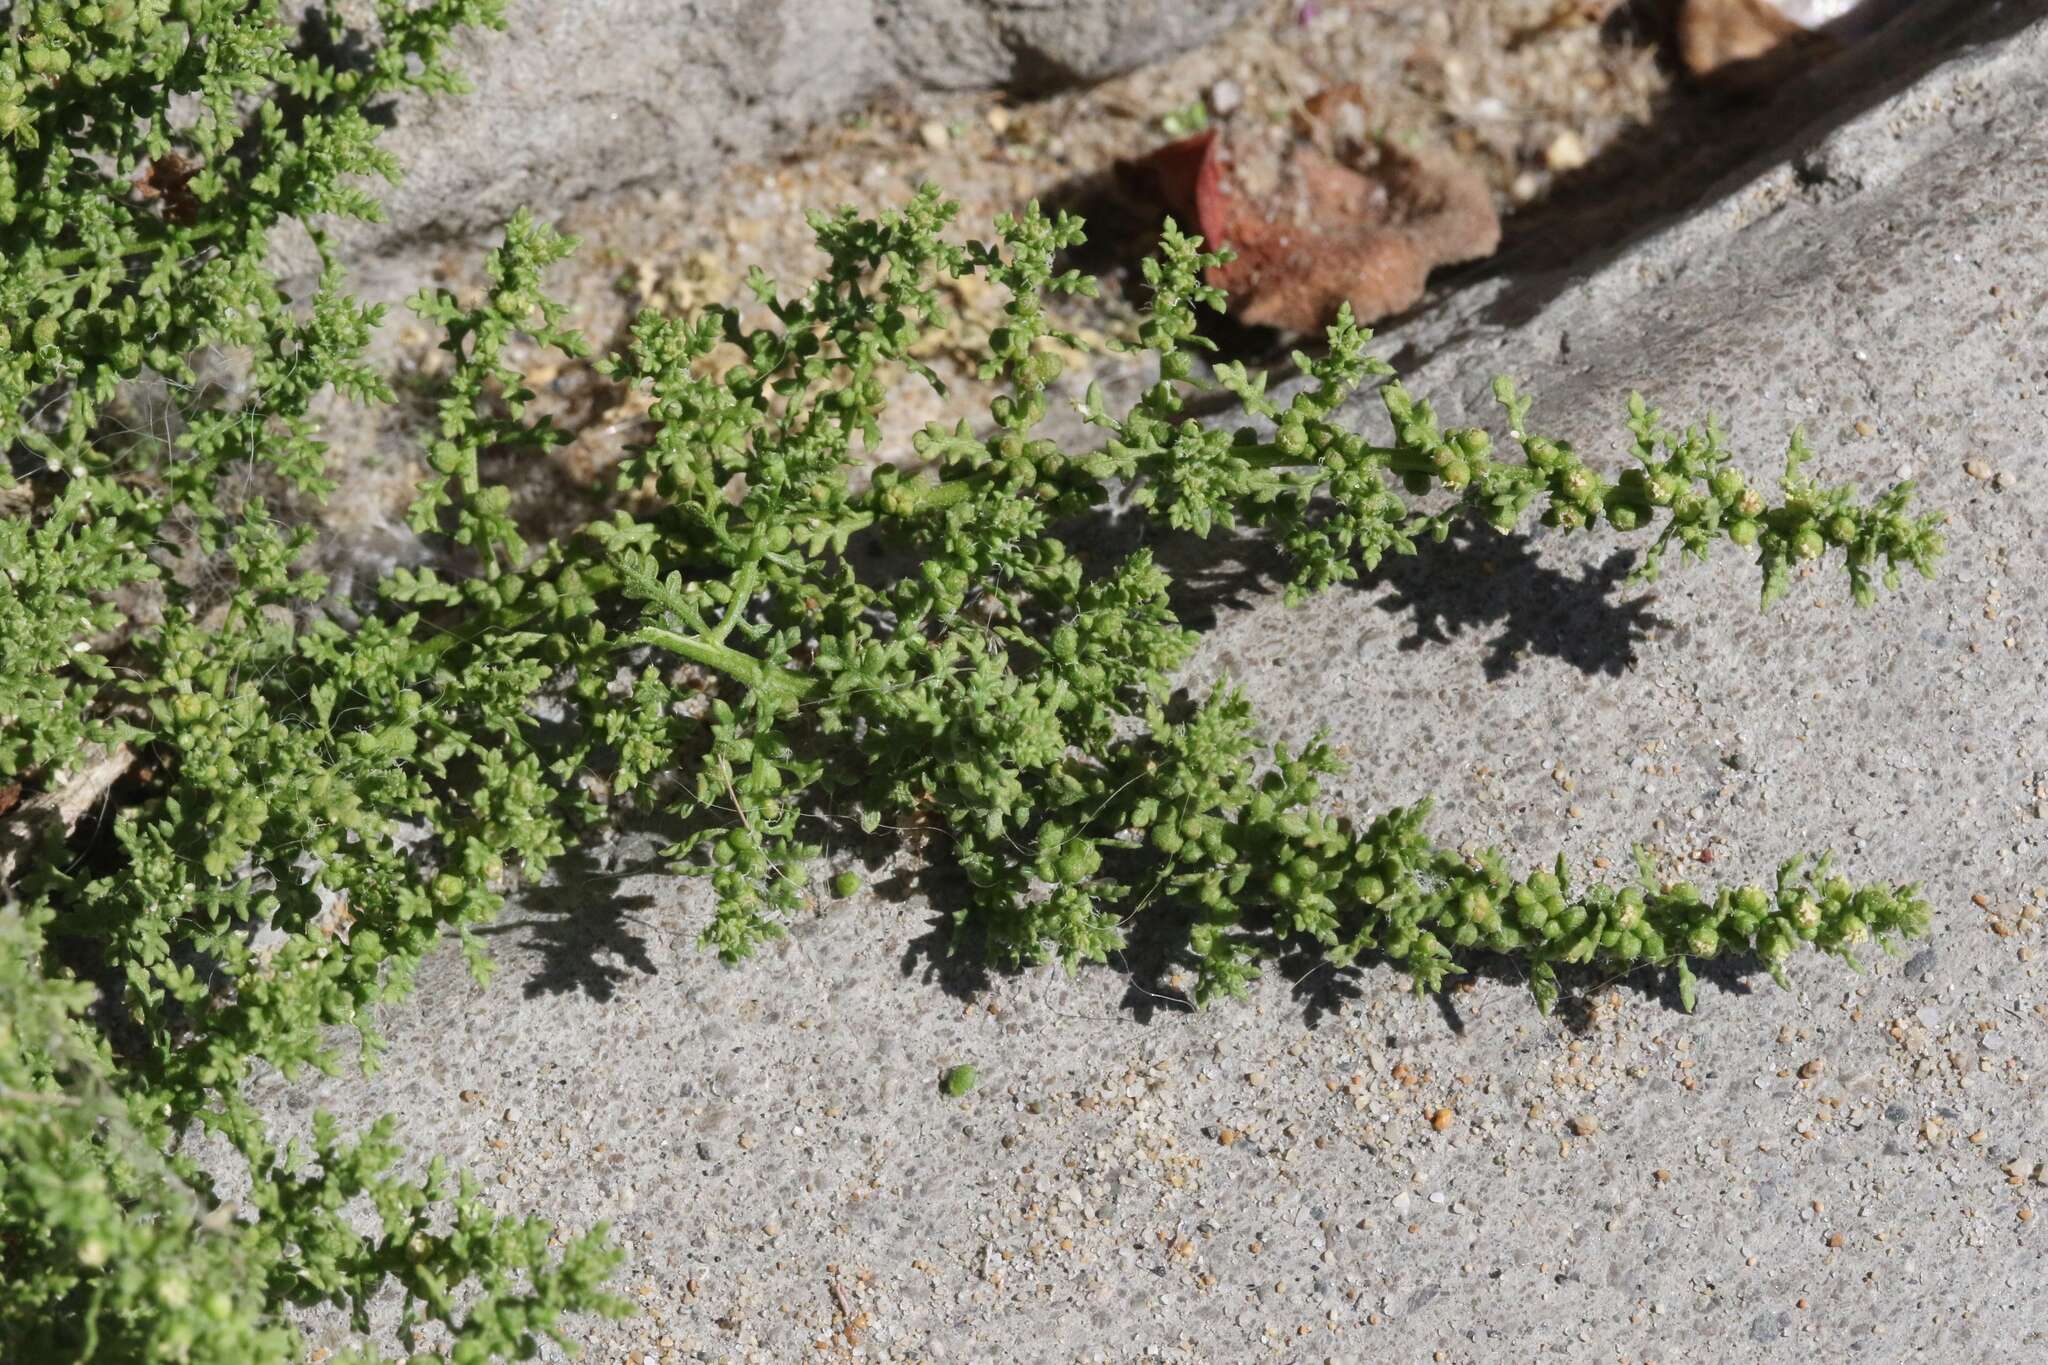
<point>576,99</point>
<point>1837,1172</point>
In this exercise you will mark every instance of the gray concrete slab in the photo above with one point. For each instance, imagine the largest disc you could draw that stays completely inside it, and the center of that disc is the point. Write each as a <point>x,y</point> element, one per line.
<point>1838,1171</point>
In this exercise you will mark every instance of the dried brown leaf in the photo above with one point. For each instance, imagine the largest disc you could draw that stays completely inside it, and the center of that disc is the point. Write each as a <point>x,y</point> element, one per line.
<point>1324,213</point>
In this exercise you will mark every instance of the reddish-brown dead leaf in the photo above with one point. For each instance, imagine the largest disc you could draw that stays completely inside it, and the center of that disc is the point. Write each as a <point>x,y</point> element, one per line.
<point>1323,214</point>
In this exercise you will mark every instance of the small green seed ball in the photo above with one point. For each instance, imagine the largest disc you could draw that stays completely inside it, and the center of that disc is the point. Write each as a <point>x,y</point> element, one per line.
<point>1752,900</point>
<point>1475,442</point>
<point>1726,484</point>
<point>46,61</point>
<point>1842,529</point>
<point>1743,532</point>
<point>1369,888</point>
<point>1078,861</point>
<point>1280,886</point>
<point>1665,488</point>
<point>845,884</point>
<point>1808,544</point>
<point>1704,941</point>
<point>1455,473</point>
<point>1045,367</point>
<point>1621,515</point>
<point>1476,906</point>
<point>1176,365</point>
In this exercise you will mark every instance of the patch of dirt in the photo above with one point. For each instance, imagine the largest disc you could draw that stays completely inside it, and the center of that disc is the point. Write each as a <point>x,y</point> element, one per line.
<point>1521,91</point>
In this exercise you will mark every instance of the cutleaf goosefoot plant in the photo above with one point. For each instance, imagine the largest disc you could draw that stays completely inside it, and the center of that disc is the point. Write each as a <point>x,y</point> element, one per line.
<point>1022,705</point>
<point>324,789</point>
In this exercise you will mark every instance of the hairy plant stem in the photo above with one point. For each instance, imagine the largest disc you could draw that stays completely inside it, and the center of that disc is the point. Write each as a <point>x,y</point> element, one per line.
<point>741,667</point>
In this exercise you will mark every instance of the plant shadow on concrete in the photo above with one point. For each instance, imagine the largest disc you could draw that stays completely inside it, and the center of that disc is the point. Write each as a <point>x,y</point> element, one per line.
<point>590,936</point>
<point>1478,580</point>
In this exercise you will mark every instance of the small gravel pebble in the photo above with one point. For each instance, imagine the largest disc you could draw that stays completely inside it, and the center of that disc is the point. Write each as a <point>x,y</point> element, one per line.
<point>1566,152</point>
